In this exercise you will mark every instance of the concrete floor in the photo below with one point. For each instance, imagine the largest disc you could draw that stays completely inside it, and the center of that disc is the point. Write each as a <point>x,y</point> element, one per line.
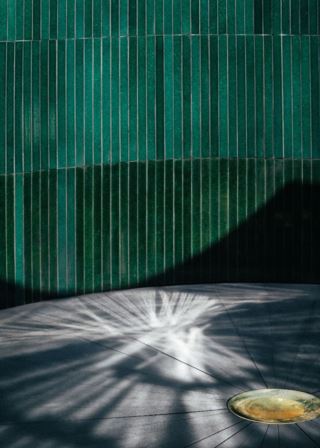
<point>154,367</point>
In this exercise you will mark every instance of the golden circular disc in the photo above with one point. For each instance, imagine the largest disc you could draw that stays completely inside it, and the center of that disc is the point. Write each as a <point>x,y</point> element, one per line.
<point>278,406</point>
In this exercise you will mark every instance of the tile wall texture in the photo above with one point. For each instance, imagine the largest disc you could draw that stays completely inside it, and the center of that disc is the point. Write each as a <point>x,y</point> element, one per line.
<point>139,135</point>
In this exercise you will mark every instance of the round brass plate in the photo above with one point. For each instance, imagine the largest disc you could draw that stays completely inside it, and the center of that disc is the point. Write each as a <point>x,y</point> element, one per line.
<point>279,406</point>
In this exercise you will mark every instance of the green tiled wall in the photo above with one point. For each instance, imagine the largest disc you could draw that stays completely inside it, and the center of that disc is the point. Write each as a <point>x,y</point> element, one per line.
<point>157,141</point>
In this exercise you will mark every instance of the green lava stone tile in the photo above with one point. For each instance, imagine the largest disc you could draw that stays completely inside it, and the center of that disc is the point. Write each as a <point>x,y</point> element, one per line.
<point>141,98</point>
<point>80,235</point>
<point>27,107</point>
<point>106,227</point>
<point>213,16</point>
<point>195,17</point>
<point>106,99</point>
<point>241,96</point>
<point>306,95</point>
<point>88,229</point>
<point>223,96</point>
<point>177,98</point>
<point>142,221</point>
<point>71,94</point>
<point>97,106</point>
<point>3,98</point>
<point>232,95</point>
<point>124,224</point>
<point>133,223</point>
<point>160,97</point>
<point>259,97</point>
<point>61,105</point>
<point>186,89</point>
<point>168,97</point>
<point>314,41</point>
<point>205,96</point>
<point>71,18</point>
<point>195,97</point>
<point>88,106</point>
<point>71,210</point>
<point>214,95</point>
<point>79,103</point>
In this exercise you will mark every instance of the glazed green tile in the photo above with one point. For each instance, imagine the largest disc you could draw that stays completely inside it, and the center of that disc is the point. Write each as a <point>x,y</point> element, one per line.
<point>258,16</point>
<point>114,14</point>
<point>169,218</point>
<point>287,97</point>
<point>195,97</point>
<point>70,102</point>
<point>141,98</point>
<point>124,99</point>
<point>53,255</point>
<point>222,16</point>
<point>160,215</point>
<point>106,114</point>
<point>214,96</point>
<point>80,236</point>
<point>268,49</point>
<point>124,224</point>
<point>178,212</point>
<point>151,95</point>
<point>88,229</point>
<point>36,234</point>
<point>159,98</point>
<point>159,22</point>
<point>313,16</point>
<point>185,17</point>
<point>187,215</point>
<point>195,206</point>
<point>259,97</point>
<point>242,190</point>
<point>96,18</point>
<point>232,243</point>
<point>79,102</point>
<point>36,119</point>
<point>250,94</point>
<point>205,203</point>
<point>314,42</point>
<point>285,15</point>
<point>132,13</point>
<point>88,31</point>
<point>141,16</point>
<point>3,95</point>
<point>249,16</point>
<point>44,106</point>
<point>304,16</point>
<point>150,16</point>
<point>186,89</point>
<point>267,16</point>
<point>231,16</point>
<point>18,108</point>
<point>133,224</point>
<point>168,97</point>
<point>88,97</point>
<point>223,197</point>
<point>114,216</point>
<point>53,19</point>
<point>61,105</point>
<point>205,96</point>
<point>296,95</point>
<point>133,107</point>
<point>3,257</point>
<point>204,16</point>
<point>177,98</point>
<point>214,212</point>
<point>106,229</point>
<point>11,25</point>
<point>151,219</point>
<point>19,238</point>
<point>306,95</point>
<point>232,95</point>
<point>19,22</point>
<point>80,23</point>
<point>62,12</point>
<point>71,210</point>
<point>105,18</point>
<point>27,107</point>
<point>28,25</point>
<point>10,107</point>
<point>213,16</point>
<point>295,17</point>
<point>223,96</point>
<point>3,20</point>
<point>62,254</point>
<point>10,234</point>
<point>44,230</point>
<point>195,16</point>
<point>123,25</point>
<point>277,96</point>
<point>52,100</point>
<point>240,16</point>
<point>97,106</point>
<point>176,16</point>
<point>142,231</point>
<point>241,97</point>
<point>71,19</point>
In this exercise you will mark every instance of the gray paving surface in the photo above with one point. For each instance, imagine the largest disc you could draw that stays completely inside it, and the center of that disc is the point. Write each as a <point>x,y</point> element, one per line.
<point>153,368</point>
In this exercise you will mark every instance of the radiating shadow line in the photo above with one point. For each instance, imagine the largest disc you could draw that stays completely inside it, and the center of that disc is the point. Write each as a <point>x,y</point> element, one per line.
<point>213,434</point>
<point>232,435</point>
<point>307,435</point>
<point>243,341</point>
<point>267,306</point>
<point>278,436</point>
<point>264,436</point>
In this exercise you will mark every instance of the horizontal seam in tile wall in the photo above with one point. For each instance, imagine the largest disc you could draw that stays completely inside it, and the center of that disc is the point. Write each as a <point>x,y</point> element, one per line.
<point>161,161</point>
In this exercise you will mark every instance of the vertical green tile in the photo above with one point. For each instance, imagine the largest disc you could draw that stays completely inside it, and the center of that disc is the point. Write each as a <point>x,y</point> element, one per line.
<point>10,236</point>
<point>52,90</point>
<point>168,97</point>
<point>250,93</point>
<point>150,13</point>
<point>313,16</point>
<point>19,277</point>
<point>177,97</point>
<point>114,17</point>
<point>28,17</point>
<point>10,107</point>
<point>241,97</point>
<point>232,97</point>
<point>61,105</point>
<point>258,16</point>
<point>223,96</point>
<point>214,95</point>
<point>304,16</point>
<point>19,10</point>
<point>159,98</point>
<point>88,23</point>
<point>106,112</point>
<point>3,99</point>
<point>151,219</point>
<point>88,101</point>
<point>44,105</point>
<point>18,108</point>
<point>231,16</point>
<point>80,235</point>
<point>268,77</point>
<point>105,17</point>
<point>213,16</point>
<point>287,97</point>
<point>186,89</point>
<point>249,16</point>
<point>151,95</point>
<point>115,100</point>
<point>3,19</point>
<point>96,16</point>
<point>195,96</point>
<point>71,95</point>
<point>232,219</point>
<point>105,206</point>
<point>222,16</point>
<point>205,205</point>
<point>3,241</point>
<point>124,5</point>
<point>277,99</point>
<point>214,213</point>
<point>307,95</point>
<point>27,106</point>
<point>141,16</point>
<point>97,105</point>
<point>44,230</point>
<point>276,16</point>
<point>195,17</point>
<point>178,213</point>
<point>176,16</point>
<point>296,90</point>
<point>124,98</point>
<point>88,229</point>
<point>62,254</point>
<point>53,19</point>
<point>71,18</point>
<point>205,96</point>
<point>53,255</point>
<point>133,108</point>
<point>124,224</point>
<point>36,118</point>
<point>37,262</point>
<point>195,206</point>
<point>71,212</point>
<point>285,14</point>
<point>295,17</point>
<point>141,98</point>
<point>315,96</point>
<point>132,17</point>
<point>80,15</point>
<point>62,19</point>
<point>159,17</point>
<point>259,97</point>
<point>187,214</point>
<point>142,235</point>
<point>11,25</point>
<point>79,103</point>
<point>133,223</point>
<point>267,16</point>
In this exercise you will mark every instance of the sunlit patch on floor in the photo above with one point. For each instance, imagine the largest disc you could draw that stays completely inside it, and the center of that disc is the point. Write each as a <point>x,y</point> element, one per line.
<point>279,406</point>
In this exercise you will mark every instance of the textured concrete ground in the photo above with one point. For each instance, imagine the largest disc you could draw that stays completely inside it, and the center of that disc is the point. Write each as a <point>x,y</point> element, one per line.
<point>153,368</point>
